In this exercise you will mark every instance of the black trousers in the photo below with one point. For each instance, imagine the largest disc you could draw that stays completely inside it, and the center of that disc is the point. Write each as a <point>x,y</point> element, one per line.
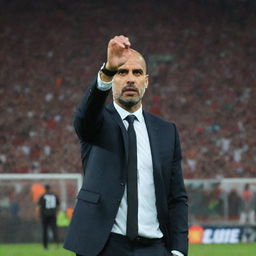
<point>119,245</point>
<point>49,222</point>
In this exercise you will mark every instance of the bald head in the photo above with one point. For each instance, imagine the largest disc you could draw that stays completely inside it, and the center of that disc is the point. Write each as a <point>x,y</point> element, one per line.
<point>136,54</point>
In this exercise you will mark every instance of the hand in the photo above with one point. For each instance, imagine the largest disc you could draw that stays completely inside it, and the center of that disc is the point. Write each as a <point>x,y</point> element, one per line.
<point>118,52</point>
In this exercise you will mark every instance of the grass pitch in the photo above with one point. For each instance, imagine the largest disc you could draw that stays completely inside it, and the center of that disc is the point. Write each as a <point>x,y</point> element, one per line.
<point>222,250</point>
<point>194,250</point>
<point>32,250</point>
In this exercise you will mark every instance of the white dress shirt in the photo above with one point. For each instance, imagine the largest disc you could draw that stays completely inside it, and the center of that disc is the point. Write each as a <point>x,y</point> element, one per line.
<point>148,224</point>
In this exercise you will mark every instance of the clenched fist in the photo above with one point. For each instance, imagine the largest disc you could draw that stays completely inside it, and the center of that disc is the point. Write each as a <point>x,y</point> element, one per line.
<point>118,52</point>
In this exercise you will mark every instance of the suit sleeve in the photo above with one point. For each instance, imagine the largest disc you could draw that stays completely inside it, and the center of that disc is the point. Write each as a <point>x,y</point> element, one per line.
<point>88,116</point>
<point>177,203</point>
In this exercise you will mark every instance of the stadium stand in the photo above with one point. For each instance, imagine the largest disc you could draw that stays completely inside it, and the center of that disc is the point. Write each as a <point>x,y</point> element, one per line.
<point>202,60</point>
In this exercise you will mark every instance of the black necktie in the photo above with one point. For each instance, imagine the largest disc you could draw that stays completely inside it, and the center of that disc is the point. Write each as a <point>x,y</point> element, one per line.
<point>132,186</point>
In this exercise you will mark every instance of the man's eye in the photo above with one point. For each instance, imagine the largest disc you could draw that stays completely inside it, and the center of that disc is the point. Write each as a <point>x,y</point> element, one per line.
<point>121,72</point>
<point>137,72</point>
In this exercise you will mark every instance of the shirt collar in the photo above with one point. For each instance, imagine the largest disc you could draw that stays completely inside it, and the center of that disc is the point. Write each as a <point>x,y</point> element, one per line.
<point>124,113</point>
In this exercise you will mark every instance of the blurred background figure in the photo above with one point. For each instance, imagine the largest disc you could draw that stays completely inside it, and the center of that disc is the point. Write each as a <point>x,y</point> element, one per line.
<point>47,208</point>
<point>248,206</point>
<point>234,203</point>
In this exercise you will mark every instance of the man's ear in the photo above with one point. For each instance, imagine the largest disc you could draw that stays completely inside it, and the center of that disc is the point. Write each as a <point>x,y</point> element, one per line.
<point>146,82</point>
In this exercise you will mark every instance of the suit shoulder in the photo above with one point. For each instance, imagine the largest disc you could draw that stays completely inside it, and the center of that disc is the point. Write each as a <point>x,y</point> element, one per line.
<point>160,121</point>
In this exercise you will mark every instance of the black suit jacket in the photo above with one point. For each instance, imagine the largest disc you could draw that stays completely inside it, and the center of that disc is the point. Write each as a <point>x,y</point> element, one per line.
<point>104,148</point>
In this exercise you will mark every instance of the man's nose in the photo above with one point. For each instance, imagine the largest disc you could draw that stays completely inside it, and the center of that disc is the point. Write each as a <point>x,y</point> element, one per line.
<point>130,78</point>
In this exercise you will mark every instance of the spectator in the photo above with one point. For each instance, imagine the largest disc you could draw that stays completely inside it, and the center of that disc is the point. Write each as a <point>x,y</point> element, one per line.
<point>248,206</point>
<point>234,204</point>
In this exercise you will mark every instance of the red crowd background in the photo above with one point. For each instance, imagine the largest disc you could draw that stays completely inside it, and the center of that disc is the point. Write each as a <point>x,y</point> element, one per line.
<point>201,57</point>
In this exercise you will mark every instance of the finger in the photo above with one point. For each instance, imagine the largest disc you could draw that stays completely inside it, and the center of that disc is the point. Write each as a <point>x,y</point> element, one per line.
<point>124,44</point>
<point>120,44</point>
<point>127,44</point>
<point>123,40</point>
<point>121,37</point>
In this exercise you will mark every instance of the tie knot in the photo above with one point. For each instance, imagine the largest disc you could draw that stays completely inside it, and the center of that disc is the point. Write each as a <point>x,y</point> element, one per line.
<point>130,119</point>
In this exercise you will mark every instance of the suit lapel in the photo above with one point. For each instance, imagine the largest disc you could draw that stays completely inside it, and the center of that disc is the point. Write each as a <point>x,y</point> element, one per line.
<point>120,123</point>
<point>161,204</point>
<point>153,140</point>
<point>152,129</point>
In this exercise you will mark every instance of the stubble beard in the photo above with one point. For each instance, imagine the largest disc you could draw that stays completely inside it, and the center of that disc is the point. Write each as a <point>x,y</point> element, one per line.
<point>128,103</point>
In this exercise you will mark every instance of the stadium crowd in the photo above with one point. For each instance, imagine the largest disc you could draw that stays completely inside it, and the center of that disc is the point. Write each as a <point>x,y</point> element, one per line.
<point>201,59</point>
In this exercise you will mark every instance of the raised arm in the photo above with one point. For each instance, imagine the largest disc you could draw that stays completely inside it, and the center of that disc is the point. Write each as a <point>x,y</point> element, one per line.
<point>88,117</point>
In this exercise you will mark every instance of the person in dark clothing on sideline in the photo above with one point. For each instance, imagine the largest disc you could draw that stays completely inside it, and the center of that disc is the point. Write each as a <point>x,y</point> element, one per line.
<point>48,206</point>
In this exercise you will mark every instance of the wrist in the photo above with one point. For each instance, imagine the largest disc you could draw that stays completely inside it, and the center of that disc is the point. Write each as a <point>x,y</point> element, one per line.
<point>103,85</point>
<point>109,67</point>
<point>105,71</point>
<point>105,78</point>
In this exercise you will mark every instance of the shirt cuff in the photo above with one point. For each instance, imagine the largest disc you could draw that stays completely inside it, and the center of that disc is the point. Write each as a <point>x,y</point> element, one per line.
<point>177,253</point>
<point>103,86</point>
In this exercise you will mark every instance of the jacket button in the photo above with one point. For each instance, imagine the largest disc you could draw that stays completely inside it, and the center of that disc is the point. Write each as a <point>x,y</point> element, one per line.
<point>122,184</point>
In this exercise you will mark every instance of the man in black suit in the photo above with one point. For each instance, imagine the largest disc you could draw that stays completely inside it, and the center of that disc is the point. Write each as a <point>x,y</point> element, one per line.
<point>133,200</point>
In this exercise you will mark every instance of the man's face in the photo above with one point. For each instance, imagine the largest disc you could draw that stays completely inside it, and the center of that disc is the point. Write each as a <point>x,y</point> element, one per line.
<point>130,82</point>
